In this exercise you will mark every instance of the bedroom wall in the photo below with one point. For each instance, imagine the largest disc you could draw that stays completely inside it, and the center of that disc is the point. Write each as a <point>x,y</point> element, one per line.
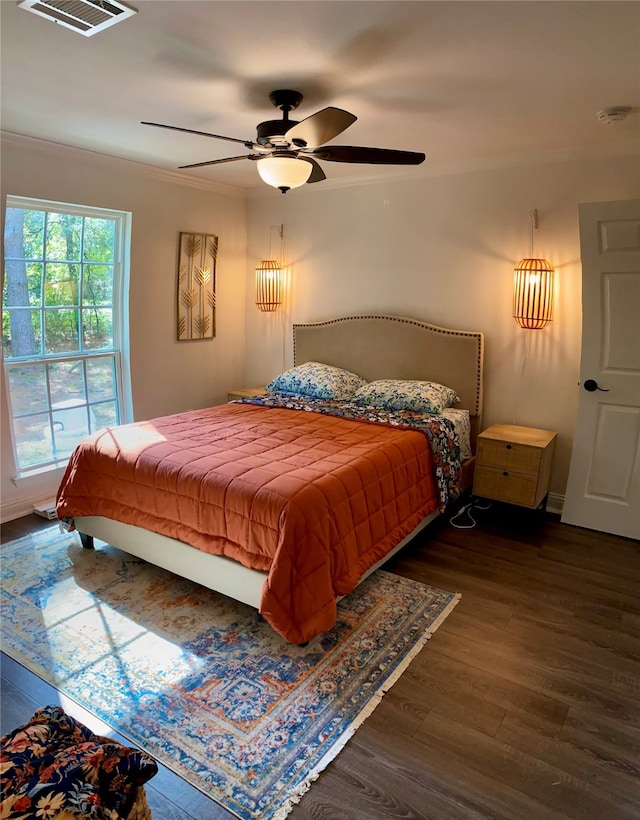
<point>442,247</point>
<point>167,376</point>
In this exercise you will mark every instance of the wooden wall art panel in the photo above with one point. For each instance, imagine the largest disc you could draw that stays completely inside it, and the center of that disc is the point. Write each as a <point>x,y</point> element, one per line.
<point>196,315</point>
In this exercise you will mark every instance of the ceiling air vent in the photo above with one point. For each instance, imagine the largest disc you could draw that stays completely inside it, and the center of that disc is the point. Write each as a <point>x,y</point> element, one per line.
<point>84,16</point>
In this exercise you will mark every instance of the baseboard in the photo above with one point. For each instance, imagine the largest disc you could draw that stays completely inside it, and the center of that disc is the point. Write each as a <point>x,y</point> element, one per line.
<point>26,506</point>
<point>16,509</point>
<point>555,503</point>
<point>8,512</point>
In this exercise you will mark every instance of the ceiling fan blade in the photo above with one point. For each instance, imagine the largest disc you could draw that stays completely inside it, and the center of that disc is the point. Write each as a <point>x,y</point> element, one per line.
<point>219,161</point>
<point>372,156</point>
<point>320,127</point>
<point>317,175</point>
<point>247,143</point>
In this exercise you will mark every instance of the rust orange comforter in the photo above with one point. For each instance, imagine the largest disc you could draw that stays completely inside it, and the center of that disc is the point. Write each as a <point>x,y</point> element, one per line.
<point>312,500</point>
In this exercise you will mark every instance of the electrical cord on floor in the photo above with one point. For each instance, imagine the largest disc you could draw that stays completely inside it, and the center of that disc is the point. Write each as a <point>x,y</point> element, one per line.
<point>463,519</point>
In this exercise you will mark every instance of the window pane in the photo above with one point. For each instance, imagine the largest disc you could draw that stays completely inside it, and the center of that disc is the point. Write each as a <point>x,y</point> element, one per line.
<point>61,284</point>
<point>61,331</point>
<point>33,439</point>
<point>66,382</point>
<point>24,234</point>
<point>21,333</point>
<point>33,234</point>
<point>35,272</point>
<point>15,289</point>
<point>97,328</point>
<point>64,235</point>
<point>69,408</point>
<point>28,388</point>
<point>99,239</point>
<point>22,285</point>
<point>70,425</point>
<point>104,415</point>
<point>101,379</point>
<point>97,285</point>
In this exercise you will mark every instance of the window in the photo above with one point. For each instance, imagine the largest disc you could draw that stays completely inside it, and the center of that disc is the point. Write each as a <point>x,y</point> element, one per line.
<point>64,333</point>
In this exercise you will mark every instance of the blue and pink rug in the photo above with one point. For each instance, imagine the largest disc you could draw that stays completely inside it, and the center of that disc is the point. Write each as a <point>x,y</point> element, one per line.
<point>195,678</point>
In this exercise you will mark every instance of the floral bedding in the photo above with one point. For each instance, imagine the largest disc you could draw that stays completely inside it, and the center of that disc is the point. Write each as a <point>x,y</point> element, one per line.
<point>440,430</point>
<point>55,766</point>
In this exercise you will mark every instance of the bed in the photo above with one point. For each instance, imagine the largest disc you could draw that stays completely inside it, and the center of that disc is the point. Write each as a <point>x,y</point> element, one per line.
<point>292,499</point>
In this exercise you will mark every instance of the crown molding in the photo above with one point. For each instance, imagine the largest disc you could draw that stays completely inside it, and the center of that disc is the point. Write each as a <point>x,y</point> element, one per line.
<point>427,170</point>
<point>10,138</point>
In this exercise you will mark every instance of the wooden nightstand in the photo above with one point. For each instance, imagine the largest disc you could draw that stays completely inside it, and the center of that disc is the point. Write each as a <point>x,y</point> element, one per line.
<point>513,464</point>
<point>246,393</point>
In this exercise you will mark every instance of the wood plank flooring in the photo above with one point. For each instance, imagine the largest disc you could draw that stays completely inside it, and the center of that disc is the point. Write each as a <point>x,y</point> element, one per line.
<point>525,704</point>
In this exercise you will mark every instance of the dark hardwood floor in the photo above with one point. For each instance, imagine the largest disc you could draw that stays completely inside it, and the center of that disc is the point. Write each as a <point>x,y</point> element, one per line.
<point>524,704</point>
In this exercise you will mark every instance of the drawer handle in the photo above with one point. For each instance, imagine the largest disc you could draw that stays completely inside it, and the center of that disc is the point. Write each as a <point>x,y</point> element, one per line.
<point>508,446</point>
<point>505,473</point>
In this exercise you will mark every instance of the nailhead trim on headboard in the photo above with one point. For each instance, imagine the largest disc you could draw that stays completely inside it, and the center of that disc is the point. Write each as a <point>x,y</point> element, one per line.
<point>476,335</point>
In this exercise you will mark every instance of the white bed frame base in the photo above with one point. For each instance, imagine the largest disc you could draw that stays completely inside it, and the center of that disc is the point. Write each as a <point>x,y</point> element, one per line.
<point>212,571</point>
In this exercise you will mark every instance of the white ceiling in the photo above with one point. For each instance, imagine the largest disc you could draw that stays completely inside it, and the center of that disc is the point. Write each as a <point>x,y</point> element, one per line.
<point>468,83</point>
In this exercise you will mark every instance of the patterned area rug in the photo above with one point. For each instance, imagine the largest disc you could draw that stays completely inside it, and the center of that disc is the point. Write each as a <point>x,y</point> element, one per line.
<point>195,678</point>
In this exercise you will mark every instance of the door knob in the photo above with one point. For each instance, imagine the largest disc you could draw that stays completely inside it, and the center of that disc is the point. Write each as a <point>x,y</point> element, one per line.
<point>591,385</point>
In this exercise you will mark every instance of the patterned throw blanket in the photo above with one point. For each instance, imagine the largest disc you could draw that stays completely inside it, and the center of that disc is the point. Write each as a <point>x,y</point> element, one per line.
<point>445,444</point>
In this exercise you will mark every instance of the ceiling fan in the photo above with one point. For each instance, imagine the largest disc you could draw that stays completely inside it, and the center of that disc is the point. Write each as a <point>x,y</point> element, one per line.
<point>286,151</point>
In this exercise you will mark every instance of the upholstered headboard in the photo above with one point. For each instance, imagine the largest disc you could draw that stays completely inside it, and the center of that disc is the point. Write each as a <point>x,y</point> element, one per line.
<point>397,347</point>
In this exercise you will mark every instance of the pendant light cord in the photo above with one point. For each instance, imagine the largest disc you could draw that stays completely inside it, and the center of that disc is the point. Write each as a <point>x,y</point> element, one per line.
<point>280,229</point>
<point>463,519</point>
<point>534,226</point>
<point>283,313</point>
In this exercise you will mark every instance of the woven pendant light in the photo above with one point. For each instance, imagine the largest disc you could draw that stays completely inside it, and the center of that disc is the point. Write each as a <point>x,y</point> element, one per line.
<point>268,285</point>
<point>533,289</point>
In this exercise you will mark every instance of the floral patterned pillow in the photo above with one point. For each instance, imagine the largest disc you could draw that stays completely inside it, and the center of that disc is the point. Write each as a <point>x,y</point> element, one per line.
<point>399,394</point>
<point>55,766</point>
<point>318,381</point>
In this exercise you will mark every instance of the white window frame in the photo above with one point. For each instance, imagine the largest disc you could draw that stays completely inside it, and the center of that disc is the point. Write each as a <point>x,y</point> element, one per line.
<point>120,307</point>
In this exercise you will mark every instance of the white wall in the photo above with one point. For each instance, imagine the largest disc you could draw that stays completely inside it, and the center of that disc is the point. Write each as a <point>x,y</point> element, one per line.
<point>167,376</point>
<point>437,247</point>
<point>443,249</point>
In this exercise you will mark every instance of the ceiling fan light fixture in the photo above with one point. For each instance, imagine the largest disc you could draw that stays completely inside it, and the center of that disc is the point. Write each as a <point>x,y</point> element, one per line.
<point>284,172</point>
<point>287,151</point>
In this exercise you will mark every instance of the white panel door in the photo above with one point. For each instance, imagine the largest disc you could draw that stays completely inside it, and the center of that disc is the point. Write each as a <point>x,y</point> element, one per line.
<point>603,491</point>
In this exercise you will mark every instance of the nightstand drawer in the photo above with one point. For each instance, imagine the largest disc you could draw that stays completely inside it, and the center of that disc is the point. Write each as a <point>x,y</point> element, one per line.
<point>509,456</point>
<point>504,485</point>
